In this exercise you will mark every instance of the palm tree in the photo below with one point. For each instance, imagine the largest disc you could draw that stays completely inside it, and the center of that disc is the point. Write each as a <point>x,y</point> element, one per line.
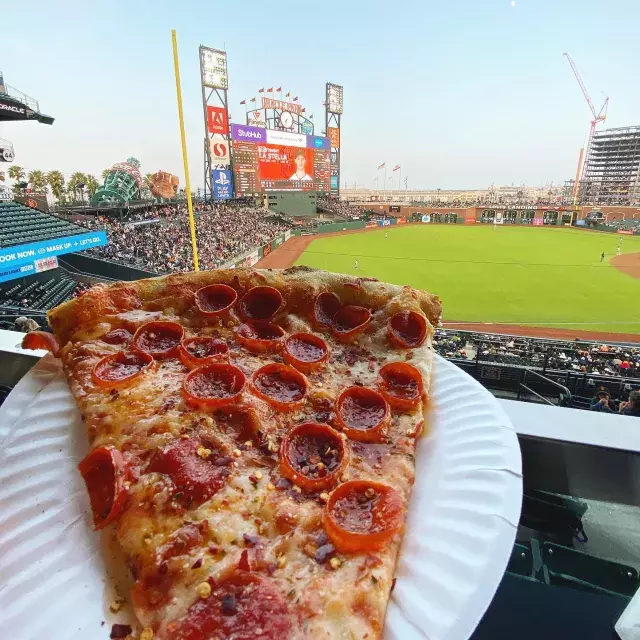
<point>92,185</point>
<point>16,173</point>
<point>105,173</point>
<point>3,177</point>
<point>55,180</point>
<point>73,186</point>
<point>37,180</point>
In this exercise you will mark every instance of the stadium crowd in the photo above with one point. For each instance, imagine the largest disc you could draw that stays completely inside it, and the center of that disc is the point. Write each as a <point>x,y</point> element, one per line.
<point>579,357</point>
<point>340,207</point>
<point>224,231</point>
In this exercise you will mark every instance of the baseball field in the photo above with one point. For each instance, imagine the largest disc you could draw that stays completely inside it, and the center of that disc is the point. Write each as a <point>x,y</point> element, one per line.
<point>545,277</point>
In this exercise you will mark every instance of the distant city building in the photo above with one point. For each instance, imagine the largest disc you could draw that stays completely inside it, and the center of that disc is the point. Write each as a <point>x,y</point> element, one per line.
<point>611,173</point>
<point>506,196</point>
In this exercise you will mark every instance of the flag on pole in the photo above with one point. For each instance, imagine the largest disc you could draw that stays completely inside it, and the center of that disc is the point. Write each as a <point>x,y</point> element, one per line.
<point>295,99</point>
<point>270,90</point>
<point>311,117</point>
<point>252,100</point>
<point>405,181</point>
<point>303,110</point>
<point>381,166</point>
<point>261,90</point>
<point>396,167</point>
<point>279,89</point>
<point>288,94</point>
<point>244,102</point>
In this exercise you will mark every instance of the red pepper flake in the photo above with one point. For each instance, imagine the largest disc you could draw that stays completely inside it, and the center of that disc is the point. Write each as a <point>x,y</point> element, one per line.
<point>213,550</point>
<point>197,564</point>
<point>120,631</point>
<point>393,584</point>
<point>244,565</point>
<point>283,483</point>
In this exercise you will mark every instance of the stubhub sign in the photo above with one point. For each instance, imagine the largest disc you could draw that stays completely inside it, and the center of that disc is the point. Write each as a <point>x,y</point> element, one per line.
<point>245,133</point>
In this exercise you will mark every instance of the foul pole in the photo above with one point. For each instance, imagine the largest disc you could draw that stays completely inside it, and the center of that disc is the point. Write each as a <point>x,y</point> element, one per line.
<point>183,139</point>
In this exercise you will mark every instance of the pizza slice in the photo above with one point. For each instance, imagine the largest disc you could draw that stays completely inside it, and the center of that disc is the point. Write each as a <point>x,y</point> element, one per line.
<point>252,443</point>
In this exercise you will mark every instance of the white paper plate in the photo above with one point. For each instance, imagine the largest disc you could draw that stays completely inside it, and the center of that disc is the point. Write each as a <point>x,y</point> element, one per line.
<point>56,574</point>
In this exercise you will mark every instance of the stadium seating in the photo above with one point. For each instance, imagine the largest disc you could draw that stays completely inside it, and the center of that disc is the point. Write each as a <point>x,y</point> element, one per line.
<point>21,225</point>
<point>38,295</point>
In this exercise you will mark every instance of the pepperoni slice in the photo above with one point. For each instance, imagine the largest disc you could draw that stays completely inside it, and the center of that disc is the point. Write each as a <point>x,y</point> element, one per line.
<point>401,385</point>
<point>313,456</point>
<point>362,515</point>
<point>103,471</point>
<point>159,339</point>
<point>214,385</point>
<point>407,329</point>
<point>117,337</point>
<point>216,299</point>
<point>305,351</point>
<point>243,606</point>
<point>260,303</point>
<point>260,337</point>
<point>119,369</point>
<point>283,387</point>
<point>350,322</point>
<point>196,478</point>
<point>326,306</point>
<point>194,352</point>
<point>363,414</point>
<point>41,340</point>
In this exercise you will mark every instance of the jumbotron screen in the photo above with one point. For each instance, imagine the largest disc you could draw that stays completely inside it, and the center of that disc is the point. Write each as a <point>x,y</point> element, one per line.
<point>269,160</point>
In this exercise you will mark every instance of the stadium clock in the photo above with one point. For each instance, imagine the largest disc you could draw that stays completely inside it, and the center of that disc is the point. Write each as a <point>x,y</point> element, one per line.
<point>286,120</point>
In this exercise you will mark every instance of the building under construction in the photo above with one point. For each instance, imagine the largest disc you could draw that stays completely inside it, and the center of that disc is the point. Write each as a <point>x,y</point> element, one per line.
<point>611,172</point>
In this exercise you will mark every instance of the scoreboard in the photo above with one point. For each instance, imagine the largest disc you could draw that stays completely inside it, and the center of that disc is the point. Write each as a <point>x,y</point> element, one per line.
<point>270,160</point>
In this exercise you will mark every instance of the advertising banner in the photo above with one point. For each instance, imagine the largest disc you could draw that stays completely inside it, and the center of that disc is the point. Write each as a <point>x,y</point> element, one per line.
<point>400,220</point>
<point>625,232</point>
<point>334,183</point>
<point>12,110</point>
<point>245,133</point>
<point>217,121</point>
<point>278,162</point>
<point>498,218</point>
<point>469,221</point>
<point>252,258</point>
<point>287,235</point>
<point>266,250</point>
<point>45,264</point>
<point>255,118</point>
<point>34,201</point>
<point>385,223</point>
<point>426,218</point>
<point>306,127</point>
<point>317,142</point>
<point>276,242</point>
<point>371,225</point>
<point>538,222</point>
<point>27,253</point>
<point>221,180</point>
<point>286,138</point>
<point>334,137</point>
<point>219,151</point>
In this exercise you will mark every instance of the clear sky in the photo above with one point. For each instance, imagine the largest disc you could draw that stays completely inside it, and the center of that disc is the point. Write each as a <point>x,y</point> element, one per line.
<point>461,93</point>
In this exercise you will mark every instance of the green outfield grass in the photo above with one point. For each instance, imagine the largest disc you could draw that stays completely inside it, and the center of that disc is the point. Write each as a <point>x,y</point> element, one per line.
<point>536,276</point>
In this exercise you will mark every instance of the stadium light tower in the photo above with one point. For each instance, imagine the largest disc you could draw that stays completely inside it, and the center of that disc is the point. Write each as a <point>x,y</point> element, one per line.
<point>598,117</point>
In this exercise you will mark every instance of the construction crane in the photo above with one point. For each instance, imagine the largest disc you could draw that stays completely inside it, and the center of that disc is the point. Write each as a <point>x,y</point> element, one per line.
<point>598,117</point>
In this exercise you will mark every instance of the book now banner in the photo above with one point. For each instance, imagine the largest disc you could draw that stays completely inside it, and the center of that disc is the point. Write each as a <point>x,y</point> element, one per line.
<point>27,253</point>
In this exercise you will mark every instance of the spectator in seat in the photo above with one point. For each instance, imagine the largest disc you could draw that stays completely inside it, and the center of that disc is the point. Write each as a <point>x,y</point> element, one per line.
<point>632,407</point>
<point>25,324</point>
<point>601,401</point>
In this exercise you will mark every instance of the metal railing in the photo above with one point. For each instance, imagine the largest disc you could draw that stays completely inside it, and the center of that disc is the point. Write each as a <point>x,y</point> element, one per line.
<point>32,103</point>
<point>564,397</point>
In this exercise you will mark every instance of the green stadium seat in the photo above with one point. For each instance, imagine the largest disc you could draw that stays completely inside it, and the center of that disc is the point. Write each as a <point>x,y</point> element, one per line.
<point>565,566</point>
